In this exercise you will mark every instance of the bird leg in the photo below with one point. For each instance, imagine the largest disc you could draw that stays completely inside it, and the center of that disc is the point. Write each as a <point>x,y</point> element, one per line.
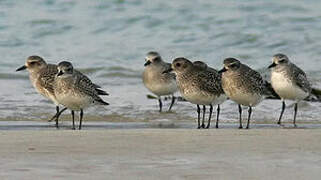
<point>73,119</point>
<point>160,104</point>
<point>172,103</point>
<point>248,119</point>
<point>209,117</point>
<point>282,111</point>
<point>80,118</point>
<point>240,112</point>
<point>217,115</point>
<point>203,120</point>
<point>295,111</point>
<point>198,117</point>
<point>57,115</point>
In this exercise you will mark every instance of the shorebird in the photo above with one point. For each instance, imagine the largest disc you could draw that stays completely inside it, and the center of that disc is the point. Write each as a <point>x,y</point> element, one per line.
<point>203,66</point>
<point>159,83</point>
<point>198,85</point>
<point>42,77</point>
<point>242,85</point>
<point>289,82</point>
<point>74,91</point>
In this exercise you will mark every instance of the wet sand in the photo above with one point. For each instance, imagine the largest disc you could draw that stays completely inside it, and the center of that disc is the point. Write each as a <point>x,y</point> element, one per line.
<point>161,154</point>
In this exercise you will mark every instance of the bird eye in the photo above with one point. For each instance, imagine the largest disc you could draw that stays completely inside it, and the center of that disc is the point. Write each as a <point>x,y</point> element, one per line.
<point>233,65</point>
<point>33,63</point>
<point>178,64</point>
<point>282,61</point>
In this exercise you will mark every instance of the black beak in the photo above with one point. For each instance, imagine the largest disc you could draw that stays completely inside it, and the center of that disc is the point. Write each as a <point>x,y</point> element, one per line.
<point>222,70</point>
<point>147,63</point>
<point>272,65</point>
<point>167,71</point>
<point>22,68</point>
<point>60,73</point>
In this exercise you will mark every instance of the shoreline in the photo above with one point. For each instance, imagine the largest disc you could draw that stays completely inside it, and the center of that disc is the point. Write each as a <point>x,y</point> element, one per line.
<point>100,125</point>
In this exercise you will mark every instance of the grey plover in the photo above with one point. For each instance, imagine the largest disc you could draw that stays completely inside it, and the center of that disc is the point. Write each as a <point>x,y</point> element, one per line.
<point>289,82</point>
<point>160,84</point>
<point>74,91</point>
<point>198,85</point>
<point>242,85</point>
<point>203,66</point>
<point>42,77</point>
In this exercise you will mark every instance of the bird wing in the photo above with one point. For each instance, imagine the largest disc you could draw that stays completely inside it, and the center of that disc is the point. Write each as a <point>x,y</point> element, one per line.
<point>85,77</point>
<point>300,79</point>
<point>97,87</point>
<point>254,77</point>
<point>210,82</point>
<point>47,77</point>
<point>84,85</point>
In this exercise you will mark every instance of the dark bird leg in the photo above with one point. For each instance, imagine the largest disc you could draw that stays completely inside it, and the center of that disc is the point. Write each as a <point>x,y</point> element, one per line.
<point>240,112</point>
<point>57,111</point>
<point>282,111</point>
<point>203,120</point>
<point>54,117</point>
<point>80,118</point>
<point>160,104</point>
<point>209,117</point>
<point>217,115</point>
<point>57,115</point>
<point>198,117</point>
<point>73,119</point>
<point>173,101</point>
<point>295,111</point>
<point>248,119</point>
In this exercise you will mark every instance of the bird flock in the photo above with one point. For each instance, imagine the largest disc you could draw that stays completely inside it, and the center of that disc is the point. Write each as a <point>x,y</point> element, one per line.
<point>197,83</point>
<point>203,85</point>
<point>63,86</point>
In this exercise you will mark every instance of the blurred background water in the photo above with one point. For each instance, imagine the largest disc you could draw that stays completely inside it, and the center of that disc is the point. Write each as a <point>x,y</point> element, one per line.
<point>108,40</point>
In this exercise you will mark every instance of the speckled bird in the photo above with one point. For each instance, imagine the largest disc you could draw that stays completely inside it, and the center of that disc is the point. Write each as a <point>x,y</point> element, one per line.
<point>198,85</point>
<point>289,82</point>
<point>159,83</point>
<point>42,77</point>
<point>243,85</point>
<point>74,91</point>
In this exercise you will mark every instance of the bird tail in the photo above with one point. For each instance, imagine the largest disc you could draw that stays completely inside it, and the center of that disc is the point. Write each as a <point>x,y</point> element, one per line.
<point>315,95</point>
<point>102,102</point>
<point>101,92</point>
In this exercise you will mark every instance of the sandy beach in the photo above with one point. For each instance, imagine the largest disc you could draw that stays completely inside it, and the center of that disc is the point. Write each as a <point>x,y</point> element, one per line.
<point>161,154</point>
